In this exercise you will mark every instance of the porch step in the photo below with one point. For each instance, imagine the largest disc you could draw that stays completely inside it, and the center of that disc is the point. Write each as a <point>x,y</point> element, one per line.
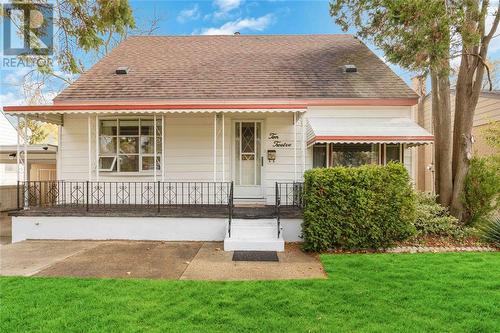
<point>254,235</point>
<point>249,202</point>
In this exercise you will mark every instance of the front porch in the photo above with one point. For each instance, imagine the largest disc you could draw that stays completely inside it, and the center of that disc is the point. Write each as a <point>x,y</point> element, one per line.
<point>173,211</point>
<point>186,211</point>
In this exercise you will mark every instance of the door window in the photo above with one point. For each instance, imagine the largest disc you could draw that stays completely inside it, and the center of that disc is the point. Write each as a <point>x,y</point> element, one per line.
<point>247,153</point>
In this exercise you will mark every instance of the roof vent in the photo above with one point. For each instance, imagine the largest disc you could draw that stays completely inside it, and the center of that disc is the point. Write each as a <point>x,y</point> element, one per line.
<point>350,69</point>
<point>121,70</point>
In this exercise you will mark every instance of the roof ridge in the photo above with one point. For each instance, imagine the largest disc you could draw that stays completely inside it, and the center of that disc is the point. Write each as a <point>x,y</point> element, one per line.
<point>240,35</point>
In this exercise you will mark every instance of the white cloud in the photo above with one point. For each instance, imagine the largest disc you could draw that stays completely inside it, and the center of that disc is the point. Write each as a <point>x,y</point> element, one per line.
<point>227,5</point>
<point>11,98</point>
<point>225,8</point>
<point>189,14</point>
<point>229,28</point>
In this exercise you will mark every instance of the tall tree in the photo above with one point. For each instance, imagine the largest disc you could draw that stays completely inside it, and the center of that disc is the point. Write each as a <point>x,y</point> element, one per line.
<point>423,36</point>
<point>476,39</point>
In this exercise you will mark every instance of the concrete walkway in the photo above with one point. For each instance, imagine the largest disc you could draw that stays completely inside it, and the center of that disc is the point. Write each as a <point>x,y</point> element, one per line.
<point>211,263</point>
<point>142,259</point>
<point>30,257</point>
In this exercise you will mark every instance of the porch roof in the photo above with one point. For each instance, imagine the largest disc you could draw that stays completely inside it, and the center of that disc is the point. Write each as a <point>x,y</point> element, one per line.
<point>365,130</point>
<point>53,113</point>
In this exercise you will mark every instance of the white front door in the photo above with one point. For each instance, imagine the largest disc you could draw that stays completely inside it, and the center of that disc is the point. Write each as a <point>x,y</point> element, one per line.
<point>247,159</point>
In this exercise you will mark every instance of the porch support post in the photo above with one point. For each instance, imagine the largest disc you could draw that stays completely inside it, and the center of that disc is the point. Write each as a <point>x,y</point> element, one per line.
<point>163,147</point>
<point>89,138</point>
<point>294,146</point>
<point>215,146</point>
<point>25,148</point>
<point>327,147</point>
<point>223,152</point>
<point>59,153</point>
<point>26,199</point>
<point>303,144</point>
<point>154,146</point>
<point>18,151</point>
<point>97,147</point>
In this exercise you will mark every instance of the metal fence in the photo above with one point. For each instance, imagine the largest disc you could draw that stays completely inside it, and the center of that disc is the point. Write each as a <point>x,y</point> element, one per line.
<point>99,194</point>
<point>288,195</point>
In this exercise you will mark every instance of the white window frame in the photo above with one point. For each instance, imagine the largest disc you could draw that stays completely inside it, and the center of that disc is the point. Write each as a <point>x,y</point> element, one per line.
<point>139,154</point>
<point>401,152</point>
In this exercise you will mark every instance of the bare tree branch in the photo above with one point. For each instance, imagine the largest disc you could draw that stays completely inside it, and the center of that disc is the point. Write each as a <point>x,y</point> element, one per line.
<point>486,66</point>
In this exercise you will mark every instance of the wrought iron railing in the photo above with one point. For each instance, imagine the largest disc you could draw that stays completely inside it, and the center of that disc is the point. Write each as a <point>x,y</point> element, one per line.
<point>288,195</point>
<point>102,194</point>
<point>230,208</point>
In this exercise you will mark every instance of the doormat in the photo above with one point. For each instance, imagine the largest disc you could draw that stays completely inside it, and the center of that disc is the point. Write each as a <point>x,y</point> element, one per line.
<point>255,256</point>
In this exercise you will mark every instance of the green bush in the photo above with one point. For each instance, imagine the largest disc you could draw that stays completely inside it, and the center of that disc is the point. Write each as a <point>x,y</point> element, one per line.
<point>481,195</point>
<point>352,208</point>
<point>490,231</point>
<point>432,219</point>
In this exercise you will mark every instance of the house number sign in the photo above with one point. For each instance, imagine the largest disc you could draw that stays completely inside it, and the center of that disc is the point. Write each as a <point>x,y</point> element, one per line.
<point>277,143</point>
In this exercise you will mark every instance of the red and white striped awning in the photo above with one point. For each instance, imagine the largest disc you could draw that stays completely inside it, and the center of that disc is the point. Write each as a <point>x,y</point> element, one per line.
<point>366,130</point>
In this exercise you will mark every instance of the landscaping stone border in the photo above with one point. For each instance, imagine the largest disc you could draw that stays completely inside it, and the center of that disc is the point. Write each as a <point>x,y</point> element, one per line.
<point>440,249</point>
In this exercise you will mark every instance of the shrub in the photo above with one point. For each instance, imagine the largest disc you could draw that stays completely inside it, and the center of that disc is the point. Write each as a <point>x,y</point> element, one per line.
<point>351,208</point>
<point>432,219</point>
<point>490,231</point>
<point>481,195</point>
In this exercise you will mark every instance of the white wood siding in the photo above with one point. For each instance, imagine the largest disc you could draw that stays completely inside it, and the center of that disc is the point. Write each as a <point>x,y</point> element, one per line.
<point>189,146</point>
<point>189,149</point>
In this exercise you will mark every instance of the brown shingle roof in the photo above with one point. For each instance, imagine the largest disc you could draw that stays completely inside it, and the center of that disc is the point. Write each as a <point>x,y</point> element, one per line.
<point>238,67</point>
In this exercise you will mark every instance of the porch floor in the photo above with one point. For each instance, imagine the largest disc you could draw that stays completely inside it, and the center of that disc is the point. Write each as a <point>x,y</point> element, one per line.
<point>261,212</point>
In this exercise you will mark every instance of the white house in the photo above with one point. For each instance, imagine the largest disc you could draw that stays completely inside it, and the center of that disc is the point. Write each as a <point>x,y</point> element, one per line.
<point>8,136</point>
<point>236,121</point>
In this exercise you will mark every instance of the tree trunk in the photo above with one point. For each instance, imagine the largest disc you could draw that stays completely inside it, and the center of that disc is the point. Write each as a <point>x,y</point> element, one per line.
<point>441,111</point>
<point>436,125</point>
<point>469,83</point>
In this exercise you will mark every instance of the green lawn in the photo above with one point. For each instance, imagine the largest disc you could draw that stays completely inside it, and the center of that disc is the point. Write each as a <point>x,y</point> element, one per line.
<point>364,293</point>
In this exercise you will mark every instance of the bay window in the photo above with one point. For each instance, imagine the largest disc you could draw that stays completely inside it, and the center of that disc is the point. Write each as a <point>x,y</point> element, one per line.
<point>127,145</point>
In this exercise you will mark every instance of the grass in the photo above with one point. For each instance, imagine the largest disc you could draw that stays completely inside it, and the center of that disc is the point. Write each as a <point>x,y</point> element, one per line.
<point>449,292</point>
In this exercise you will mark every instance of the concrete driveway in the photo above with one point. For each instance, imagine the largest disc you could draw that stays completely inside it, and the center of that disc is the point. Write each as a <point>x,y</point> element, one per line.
<point>145,259</point>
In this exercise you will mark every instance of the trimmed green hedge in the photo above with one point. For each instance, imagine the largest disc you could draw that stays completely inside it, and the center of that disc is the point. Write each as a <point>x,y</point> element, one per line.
<point>354,208</point>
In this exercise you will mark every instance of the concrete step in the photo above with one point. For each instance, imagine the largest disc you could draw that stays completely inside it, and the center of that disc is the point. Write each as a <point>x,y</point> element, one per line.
<point>254,235</point>
<point>246,202</point>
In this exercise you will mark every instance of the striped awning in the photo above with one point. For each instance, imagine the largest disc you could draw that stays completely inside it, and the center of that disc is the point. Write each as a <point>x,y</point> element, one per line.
<point>366,130</point>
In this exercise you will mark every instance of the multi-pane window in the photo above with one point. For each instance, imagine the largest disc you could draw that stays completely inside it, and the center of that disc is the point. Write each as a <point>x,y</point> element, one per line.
<point>393,153</point>
<point>319,156</point>
<point>354,154</point>
<point>127,145</point>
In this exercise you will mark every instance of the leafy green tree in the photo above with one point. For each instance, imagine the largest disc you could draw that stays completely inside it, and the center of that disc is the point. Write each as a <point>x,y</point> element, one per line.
<point>423,36</point>
<point>38,132</point>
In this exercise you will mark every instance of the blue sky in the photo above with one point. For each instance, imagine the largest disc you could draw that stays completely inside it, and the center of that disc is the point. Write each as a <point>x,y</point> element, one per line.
<point>219,17</point>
